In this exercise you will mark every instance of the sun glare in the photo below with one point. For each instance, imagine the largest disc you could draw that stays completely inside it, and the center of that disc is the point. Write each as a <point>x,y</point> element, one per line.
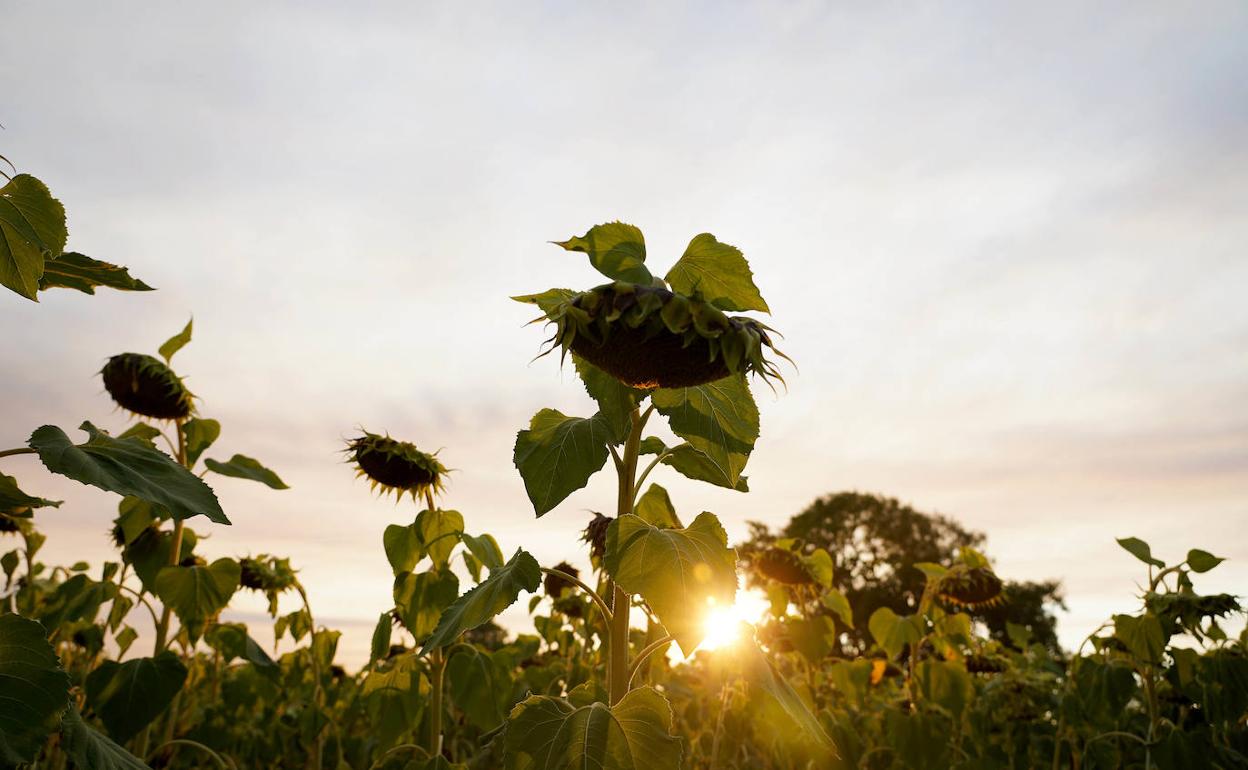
<point>723,623</point>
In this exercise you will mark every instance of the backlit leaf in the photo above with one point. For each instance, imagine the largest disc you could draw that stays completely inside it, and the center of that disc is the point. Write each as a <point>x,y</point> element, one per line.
<point>718,273</point>
<point>72,270</point>
<point>718,419</point>
<point>127,467</point>
<point>15,502</point>
<point>242,467</point>
<point>128,696</point>
<point>761,673</point>
<point>655,507</point>
<point>679,572</point>
<point>616,250</point>
<point>421,598</point>
<point>557,454</point>
<point>490,597</point>
<point>1140,550</point>
<point>691,463</point>
<point>893,632</point>
<point>200,434</point>
<point>403,547</point>
<point>616,401</point>
<point>32,229</point>
<point>176,342</point>
<point>485,549</point>
<point>197,593</point>
<point>439,532</point>
<point>480,686</point>
<point>545,733</point>
<point>1142,635</point>
<point>35,689</point>
<point>1202,561</point>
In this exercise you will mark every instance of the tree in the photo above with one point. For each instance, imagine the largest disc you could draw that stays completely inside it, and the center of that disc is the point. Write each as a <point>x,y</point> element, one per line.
<point>874,542</point>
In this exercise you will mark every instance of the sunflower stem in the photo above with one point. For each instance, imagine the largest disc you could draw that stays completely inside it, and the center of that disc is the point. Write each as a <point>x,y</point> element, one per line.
<point>21,450</point>
<point>617,648</point>
<point>598,600</point>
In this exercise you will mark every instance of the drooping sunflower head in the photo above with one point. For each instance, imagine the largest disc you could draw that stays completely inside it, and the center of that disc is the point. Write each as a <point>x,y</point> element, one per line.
<point>970,587</point>
<point>396,466</point>
<point>266,573</point>
<point>782,566</point>
<point>556,585</point>
<point>648,336</point>
<point>8,526</point>
<point>147,387</point>
<point>595,534</point>
<point>977,663</point>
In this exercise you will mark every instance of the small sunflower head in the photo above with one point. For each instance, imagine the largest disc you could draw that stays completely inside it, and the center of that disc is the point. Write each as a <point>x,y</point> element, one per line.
<point>265,573</point>
<point>147,387</point>
<point>648,336</point>
<point>985,664</point>
<point>783,566</point>
<point>396,466</point>
<point>555,585</point>
<point>970,587</point>
<point>8,526</point>
<point>595,534</point>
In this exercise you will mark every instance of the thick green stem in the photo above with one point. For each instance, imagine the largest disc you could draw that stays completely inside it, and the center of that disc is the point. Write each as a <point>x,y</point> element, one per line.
<point>437,664</point>
<point>617,647</point>
<point>318,692</point>
<point>21,450</point>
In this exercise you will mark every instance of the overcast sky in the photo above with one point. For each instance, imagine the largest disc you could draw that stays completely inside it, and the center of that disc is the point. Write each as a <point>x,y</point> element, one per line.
<point>1005,244</point>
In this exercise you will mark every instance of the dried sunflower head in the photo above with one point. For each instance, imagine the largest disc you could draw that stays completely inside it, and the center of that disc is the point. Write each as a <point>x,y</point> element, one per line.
<point>266,573</point>
<point>595,534</point>
<point>985,664</point>
<point>555,585</point>
<point>648,336</point>
<point>396,466</point>
<point>147,387</point>
<point>8,526</point>
<point>783,567</point>
<point>970,587</point>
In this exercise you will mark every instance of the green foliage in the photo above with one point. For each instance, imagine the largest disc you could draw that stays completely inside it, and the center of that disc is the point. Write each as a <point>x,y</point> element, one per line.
<point>557,454</point>
<point>88,748</point>
<point>128,696</point>
<point>243,467</point>
<point>197,593</point>
<point>200,433</point>
<point>1140,550</point>
<point>615,249</point>
<point>176,342</point>
<point>36,689</point>
<point>15,502</point>
<point>72,270</point>
<point>720,420</point>
<point>421,597</point>
<point>127,467</point>
<point>493,595</point>
<point>718,273</point>
<point>32,229</point>
<point>545,732</point>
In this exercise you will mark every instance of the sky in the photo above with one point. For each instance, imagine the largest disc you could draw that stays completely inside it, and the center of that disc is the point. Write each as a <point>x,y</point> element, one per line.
<point>1005,243</point>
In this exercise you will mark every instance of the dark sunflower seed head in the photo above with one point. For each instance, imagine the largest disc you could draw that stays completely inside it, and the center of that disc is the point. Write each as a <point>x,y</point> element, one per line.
<point>147,387</point>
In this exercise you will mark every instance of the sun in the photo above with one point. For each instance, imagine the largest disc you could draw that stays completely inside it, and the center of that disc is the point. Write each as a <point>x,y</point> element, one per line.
<point>723,622</point>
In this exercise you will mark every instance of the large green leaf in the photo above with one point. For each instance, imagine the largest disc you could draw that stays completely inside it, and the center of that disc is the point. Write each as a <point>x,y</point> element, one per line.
<point>545,733</point>
<point>719,419</point>
<point>718,273</point>
<point>233,641</point>
<point>893,632</point>
<point>149,553</point>
<point>1202,561</point>
<point>655,507</point>
<point>761,673</point>
<point>490,597</point>
<point>485,549</point>
<point>439,531</point>
<point>421,598</point>
<point>1140,550</point>
<point>34,689</point>
<point>197,593</point>
<point>127,467</point>
<point>77,599</point>
<point>616,401</point>
<point>1142,635</point>
<point>480,685</point>
<point>243,467</point>
<point>89,749</point>
<point>176,342</point>
<point>72,270</point>
<point>15,502</point>
<point>679,572</point>
<point>557,454</point>
<point>32,229</point>
<point>379,647</point>
<point>691,463</point>
<point>946,684</point>
<point>395,695</point>
<point>128,696</point>
<point>403,547</point>
<point>200,434</point>
<point>615,249</point>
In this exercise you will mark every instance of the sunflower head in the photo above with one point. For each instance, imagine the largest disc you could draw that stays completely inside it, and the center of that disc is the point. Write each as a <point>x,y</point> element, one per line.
<point>985,664</point>
<point>783,567</point>
<point>970,587</point>
<point>265,573</point>
<point>147,387</point>
<point>8,526</point>
<point>556,585</point>
<point>648,336</point>
<point>595,533</point>
<point>396,466</point>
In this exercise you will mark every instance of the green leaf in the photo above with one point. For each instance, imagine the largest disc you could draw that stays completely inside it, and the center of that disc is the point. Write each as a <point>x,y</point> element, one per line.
<point>616,401</point>
<point>77,599</point>
<point>128,696</point>
<point>32,229</point>
<point>655,507</point>
<point>72,270</point>
<point>1142,635</point>
<point>149,553</point>
<point>931,570</point>
<point>761,673</point>
<point>15,502</point>
<point>836,601</point>
<point>548,300</point>
<point>35,689</point>
<point>691,463</point>
<point>557,455</point>
<point>819,565</point>
<point>439,532</point>
<point>1202,561</point>
<point>421,597</point>
<point>490,597</point>
<point>480,686</point>
<point>616,250</point>
<point>88,748</point>
<point>545,733</point>
<point>946,684</point>
<point>242,467</point>
<point>893,632</point>
<point>485,549</point>
<point>200,434</point>
<point>718,419</point>
<point>718,273</point>
<point>233,641</point>
<point>176,342</point>
<point>403,547</point>
<point>1140,550</point>
<point>679,572</point>
<point>127,467</point>
<point>380,646</point>
<point>141,431</point>
<point>395,696</point>
<point>196,593</point>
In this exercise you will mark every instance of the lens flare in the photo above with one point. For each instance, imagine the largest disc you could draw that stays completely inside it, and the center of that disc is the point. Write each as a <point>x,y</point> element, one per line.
<point>723,622</point>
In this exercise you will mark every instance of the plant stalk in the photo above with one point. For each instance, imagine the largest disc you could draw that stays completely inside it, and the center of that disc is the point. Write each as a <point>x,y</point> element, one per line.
<point>617,646</point>
<point>21,450</point>
<point>437,664</point>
